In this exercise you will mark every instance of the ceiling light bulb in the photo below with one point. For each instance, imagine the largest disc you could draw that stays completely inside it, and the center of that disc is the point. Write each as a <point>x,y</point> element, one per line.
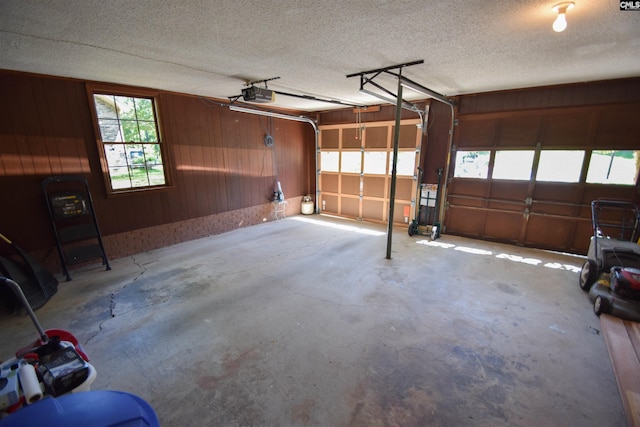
<point>560,24</point>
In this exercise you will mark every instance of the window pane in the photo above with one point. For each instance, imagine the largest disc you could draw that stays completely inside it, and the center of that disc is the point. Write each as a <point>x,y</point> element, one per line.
<point>119,178</point>
<point>105,106</point>
<point>375,162</point>
<point>152,155</point>
<point>156,175</point>
<point>130,130</point>
<point>139,177</point>
<point>329,161</point>
<point>125,108</point>
<point>351,162</point>
<point>472,164</point>
<point>406,163</point>
<point>513,164</point>
<point>560,165</point>
<point>110,130</point>
<point>148,132</point>
<point>135,155</point>
<point>144,109</point>
<point>613,167</point>
<point>115,154</point>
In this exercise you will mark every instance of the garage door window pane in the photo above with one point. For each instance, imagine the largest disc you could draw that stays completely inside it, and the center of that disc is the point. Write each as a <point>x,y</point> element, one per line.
<point>329,161</point>
<point>513,164</point>
<point>560,165</point>
<point>472,164</point>
<point>613,167</point>
<point>351,162</point>
<point>375,162</point>
<point>406,163</point>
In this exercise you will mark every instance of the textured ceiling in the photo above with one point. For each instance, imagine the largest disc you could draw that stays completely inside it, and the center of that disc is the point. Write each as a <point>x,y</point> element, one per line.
<point>212,48</point>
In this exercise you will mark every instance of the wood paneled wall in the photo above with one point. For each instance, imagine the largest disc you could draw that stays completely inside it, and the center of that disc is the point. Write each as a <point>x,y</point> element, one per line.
<point>218,159</point>
<point>561,96</point>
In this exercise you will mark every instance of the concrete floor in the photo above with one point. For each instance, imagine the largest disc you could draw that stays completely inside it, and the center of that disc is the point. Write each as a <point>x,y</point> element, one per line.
<point>303,322</point>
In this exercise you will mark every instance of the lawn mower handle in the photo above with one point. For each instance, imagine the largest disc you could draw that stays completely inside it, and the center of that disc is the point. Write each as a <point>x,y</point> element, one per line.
<point>23,300</point>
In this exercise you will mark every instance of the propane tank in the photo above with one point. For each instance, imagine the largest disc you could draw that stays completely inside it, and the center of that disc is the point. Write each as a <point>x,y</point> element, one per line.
<point>306,207</point>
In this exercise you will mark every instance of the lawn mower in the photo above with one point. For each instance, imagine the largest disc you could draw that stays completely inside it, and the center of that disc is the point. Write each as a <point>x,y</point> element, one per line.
<point>611,273</point>
<point>47,383</point>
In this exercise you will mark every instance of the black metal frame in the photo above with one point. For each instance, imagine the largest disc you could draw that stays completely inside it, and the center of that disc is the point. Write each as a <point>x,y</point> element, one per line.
<point>55,222</point>
<point>597,205</point>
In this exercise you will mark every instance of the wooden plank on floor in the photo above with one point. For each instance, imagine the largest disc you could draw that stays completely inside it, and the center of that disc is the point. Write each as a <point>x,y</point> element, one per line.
<point>633,329</point>
<point>620,336</point>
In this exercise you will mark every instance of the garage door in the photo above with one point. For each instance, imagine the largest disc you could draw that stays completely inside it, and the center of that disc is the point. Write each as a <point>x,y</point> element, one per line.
<point>355,166</point>
<point>528,178</point>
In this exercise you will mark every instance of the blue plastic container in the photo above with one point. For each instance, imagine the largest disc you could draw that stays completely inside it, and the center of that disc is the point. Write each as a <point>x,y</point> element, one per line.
<point>99,408</point>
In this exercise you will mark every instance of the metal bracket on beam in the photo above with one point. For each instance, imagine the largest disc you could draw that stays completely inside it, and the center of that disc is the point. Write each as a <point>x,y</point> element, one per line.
<point>367,77</point>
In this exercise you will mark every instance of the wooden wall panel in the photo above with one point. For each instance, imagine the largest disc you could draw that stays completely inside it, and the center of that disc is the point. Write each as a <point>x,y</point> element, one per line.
<point>561,96</point>
<point>567,130</point>
<point>373,210</point>
<point>471,187</point>
<point>218,161</point>
<point>374,186</point>
<point>434,152</point>
<point>557,194</point>
<point>351,138</point>
<point>350,185</point>
<point>330,203</point>
<point>35,144</point>
<point>583,230</point>
<point>384,113</point>
<point>477,133</point>
<point>519,131</point>
<point>407,137</point>
<point>466,221</point>
<point>405,188</point>
<point>399,211</point>
<point>198,137</point>
<point>330,182</point>
<point>377,137</point>
<point>508,190</point>
<point>330,138</point>
<point>549,232</point>
<point>619,128</point>
<point>619,192</point>
<point>499,225</point>
<point>350,206</point>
